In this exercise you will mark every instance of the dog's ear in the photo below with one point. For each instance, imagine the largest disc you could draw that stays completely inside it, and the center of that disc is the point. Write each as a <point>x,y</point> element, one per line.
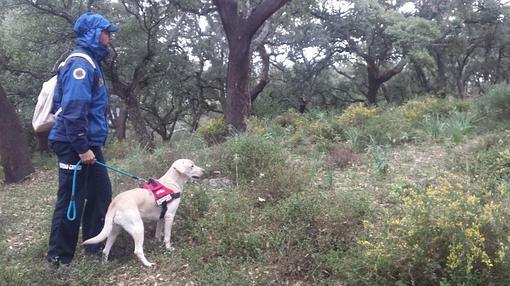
<point>180,166</point>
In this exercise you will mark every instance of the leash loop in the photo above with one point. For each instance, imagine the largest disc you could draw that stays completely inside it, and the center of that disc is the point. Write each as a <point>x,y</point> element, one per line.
<point>71,209</point>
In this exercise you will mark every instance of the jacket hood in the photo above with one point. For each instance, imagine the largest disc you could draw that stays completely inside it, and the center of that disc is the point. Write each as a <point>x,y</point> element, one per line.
<point>88,29</point>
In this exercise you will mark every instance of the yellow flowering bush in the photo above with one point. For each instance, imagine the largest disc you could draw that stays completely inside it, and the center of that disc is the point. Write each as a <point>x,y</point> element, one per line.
<point>441,232</point>
<point>291,118</point>
<point>214,131</point>
<point>416,110</point>
<point>502,168</point>
<point>356,115</point>
<point>256,125</point>
<point>490,166</point>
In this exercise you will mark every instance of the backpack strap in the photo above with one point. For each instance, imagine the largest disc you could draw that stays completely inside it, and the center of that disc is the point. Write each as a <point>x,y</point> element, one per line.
<point>81,55</point>
<point>77,54</point>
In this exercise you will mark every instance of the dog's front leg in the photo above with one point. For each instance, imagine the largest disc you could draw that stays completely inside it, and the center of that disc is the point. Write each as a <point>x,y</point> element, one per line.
<point>169,220</point>
<point>159,230</point>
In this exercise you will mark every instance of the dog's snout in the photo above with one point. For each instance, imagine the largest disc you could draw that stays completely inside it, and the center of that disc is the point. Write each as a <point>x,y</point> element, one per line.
<point>198,173</point>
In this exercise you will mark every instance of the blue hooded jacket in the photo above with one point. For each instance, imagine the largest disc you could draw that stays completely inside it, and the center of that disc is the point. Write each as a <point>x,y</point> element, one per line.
<point>82,92</point>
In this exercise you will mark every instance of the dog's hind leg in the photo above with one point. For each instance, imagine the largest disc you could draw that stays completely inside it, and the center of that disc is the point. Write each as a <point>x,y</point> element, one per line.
<point>110,241</point>
<point>134,226</point>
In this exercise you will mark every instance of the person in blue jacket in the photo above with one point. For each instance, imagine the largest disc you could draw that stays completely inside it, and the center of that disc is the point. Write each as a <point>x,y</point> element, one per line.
<point>79,133</point>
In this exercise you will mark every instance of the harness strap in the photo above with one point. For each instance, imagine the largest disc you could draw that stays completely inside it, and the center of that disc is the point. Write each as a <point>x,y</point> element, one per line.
<point>164,206</point>
<point>163,210</point>
<point>162,195</point>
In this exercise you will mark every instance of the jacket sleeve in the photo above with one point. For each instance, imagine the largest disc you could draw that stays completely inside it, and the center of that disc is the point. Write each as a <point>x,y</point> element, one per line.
<point>77,83</point>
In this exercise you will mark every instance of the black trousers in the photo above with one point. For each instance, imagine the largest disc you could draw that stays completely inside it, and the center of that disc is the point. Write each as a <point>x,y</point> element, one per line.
<point>93,194</point>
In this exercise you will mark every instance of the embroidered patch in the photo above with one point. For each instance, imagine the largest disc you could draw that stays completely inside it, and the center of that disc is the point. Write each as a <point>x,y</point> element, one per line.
<point>79,73</point>
<point>100,82</point>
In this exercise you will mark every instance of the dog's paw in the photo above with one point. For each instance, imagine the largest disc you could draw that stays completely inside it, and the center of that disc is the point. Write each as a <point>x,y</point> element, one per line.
<point>150,264</point>
<point>169,248</point>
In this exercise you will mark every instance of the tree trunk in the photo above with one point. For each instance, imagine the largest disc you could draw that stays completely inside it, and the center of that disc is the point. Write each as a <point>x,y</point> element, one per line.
<point>135,116</point>
<point>14,151</point>
<point>373,88</point>
<point>125,93</point>
<point>42,140</point>
<point>264,77</point>
<point>377,78</point>
<point>120,123</point>
<point>373,84</point>
<point>440,83</point>
<point>238,103</point>
<point>240,27</point>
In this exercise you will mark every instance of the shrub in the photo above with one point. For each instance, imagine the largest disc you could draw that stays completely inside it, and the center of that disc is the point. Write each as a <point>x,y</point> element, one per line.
<point>214,131</point>
<point>495,104</point>
<point>414,111</point>
<point>453,127</point>
<point>291,118</point>
<point>357,115</point>
<point>262,168</point>
<point>194,209</point>
<point>383,128</point>
<point>379,158</point>
<point>256,125</point>
<point>441,232</point>
<point>247,157</point>
<point>305,227</point>
<point>233,227</point>
<point>340,155</point>
<point>321,127</point>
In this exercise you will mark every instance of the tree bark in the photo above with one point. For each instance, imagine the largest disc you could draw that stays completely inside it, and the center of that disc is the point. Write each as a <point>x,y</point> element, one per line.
<point>42,140</point>
<point>264,77</point>
<point>240,29</point>
<point>120,123</point>
<point>135,116</point>
<point>376,78</point>
<point>14,151</point>
<point>125,91</point>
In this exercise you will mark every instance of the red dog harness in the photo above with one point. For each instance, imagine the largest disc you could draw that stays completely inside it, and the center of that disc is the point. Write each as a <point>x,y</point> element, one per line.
<point>162,194</point>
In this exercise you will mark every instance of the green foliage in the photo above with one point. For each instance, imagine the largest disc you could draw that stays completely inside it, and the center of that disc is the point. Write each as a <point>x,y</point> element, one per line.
<point>357,115</point>
<point>453,128</point>
<point>415,111</point>
<point>194,208</point>
<point>380,127</point>
<point>495,105</point>
<point>379,158</point>
<point>214,131</point>
<point>441,231</point>
<point>248,157</point>
<point>489,162</point>
<point>291,217</point>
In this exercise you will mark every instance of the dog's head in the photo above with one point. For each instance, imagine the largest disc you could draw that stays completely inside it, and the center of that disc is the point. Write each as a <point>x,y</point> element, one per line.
<point>187,168</point>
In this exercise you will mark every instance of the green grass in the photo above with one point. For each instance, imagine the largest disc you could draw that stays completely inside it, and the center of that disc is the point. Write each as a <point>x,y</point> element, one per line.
<point>298,220</point>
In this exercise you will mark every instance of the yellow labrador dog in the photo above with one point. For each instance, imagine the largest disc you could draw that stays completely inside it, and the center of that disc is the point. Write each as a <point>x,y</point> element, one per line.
<point>129,208</point>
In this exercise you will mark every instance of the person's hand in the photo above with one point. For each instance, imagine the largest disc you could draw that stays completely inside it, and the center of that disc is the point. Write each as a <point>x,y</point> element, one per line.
<point>88,157</point>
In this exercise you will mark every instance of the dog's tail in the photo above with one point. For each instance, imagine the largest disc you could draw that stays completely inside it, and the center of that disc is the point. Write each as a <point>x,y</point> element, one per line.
<point>107,228</point>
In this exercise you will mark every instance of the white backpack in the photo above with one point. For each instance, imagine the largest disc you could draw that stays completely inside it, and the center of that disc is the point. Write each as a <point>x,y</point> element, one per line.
<point>43,119</point>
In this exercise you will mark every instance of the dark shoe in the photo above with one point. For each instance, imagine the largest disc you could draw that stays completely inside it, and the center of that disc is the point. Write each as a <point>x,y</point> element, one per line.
<point>53,263</point>
<point>64,269</point>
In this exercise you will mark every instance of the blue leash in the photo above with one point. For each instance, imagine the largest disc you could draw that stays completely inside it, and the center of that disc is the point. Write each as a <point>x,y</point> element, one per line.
<point>71,210</point>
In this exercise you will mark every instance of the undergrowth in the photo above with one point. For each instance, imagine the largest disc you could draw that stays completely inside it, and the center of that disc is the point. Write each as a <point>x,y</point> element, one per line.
<point>321,198</point>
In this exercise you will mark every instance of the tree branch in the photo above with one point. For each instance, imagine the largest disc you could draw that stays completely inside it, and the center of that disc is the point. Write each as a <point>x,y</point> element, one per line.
<point>264,77</point>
